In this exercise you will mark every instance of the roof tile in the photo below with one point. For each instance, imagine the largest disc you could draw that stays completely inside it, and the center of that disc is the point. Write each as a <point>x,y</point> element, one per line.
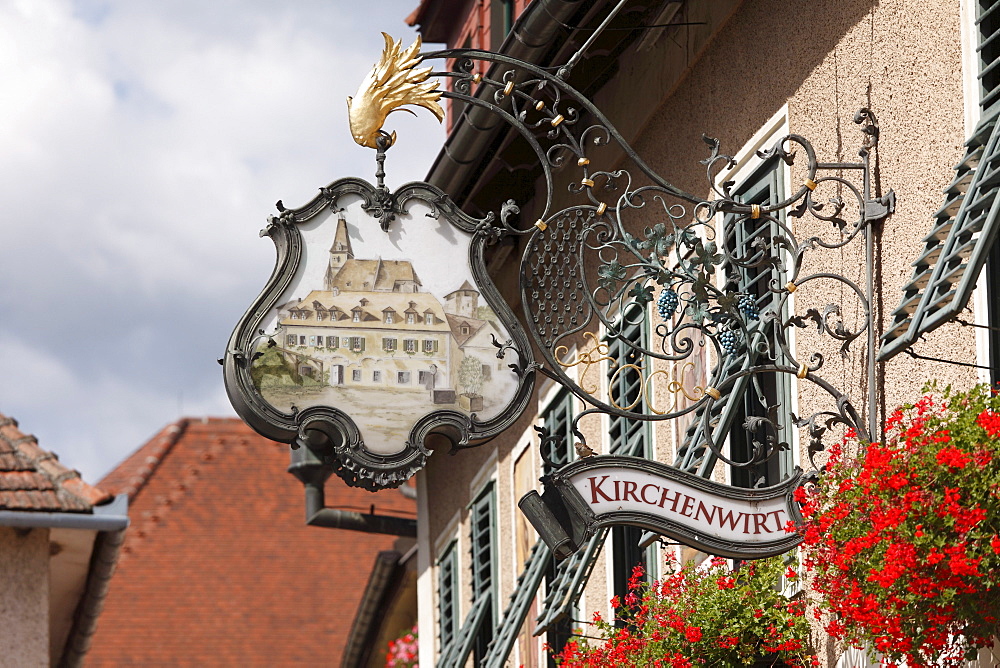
<point>33,479</point>
<point>218,567</point>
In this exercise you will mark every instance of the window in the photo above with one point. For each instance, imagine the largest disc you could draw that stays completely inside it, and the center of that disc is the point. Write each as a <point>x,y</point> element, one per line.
<point>389,345</point>
<point>331,342</point>
<point>423,377</point>
<point>403,377</point>
<point>482,553</point>
<point>356,375</point>
<point>558,420</point>
<point>356,315</point>
<point>290,340</point>
<point>764,186</point>
<point>628,437</point>
<point>428,318</point>
<point>430,346</point>
<point>302,340</point>
<point>410,319</point>
<point>447,597</point>
<point>357,344</point>
<point>989,66</point>
<point>410,345</point>
<point>388,317</point>
<point>320,315</point>
<point>464,329</point>
<point>377,376</point>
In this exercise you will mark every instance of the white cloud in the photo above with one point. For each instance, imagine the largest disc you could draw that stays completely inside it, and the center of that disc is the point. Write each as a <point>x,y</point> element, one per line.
<point>144,145</point>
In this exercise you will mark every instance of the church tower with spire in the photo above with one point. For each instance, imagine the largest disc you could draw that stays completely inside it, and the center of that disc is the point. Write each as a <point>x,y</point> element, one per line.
<point>340,251</point>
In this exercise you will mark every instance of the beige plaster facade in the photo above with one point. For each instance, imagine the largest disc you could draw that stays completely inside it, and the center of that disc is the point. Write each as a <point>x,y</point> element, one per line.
<point>807,67</point>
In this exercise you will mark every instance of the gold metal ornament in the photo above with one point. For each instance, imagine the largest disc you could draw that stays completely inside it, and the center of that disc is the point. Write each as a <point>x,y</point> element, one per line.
<point>598,352</point>
<point>392,83</point>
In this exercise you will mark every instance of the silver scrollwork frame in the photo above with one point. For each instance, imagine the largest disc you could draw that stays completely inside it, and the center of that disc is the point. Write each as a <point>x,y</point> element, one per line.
<point>329,431</point>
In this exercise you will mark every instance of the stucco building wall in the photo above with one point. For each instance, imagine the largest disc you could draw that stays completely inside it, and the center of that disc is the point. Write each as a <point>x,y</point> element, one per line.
<point>24,597</point>
<point>821,62</point>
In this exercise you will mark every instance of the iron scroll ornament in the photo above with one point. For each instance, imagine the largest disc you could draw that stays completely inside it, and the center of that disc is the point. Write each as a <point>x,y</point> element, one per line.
<point>631,240</point>
<point>283,389</point>
<point>589,265</point>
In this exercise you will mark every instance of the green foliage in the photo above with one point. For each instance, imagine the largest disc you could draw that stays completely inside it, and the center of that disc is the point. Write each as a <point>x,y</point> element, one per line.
<point>904,535</point>
<point>702,615</point>
<point>470,375</point>
<point>486,313</point>
<point>271,368</point>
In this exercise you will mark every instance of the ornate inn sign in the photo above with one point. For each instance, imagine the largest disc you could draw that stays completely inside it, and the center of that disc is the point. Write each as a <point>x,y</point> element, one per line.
<point>377,332</point>
<point>380,329</point>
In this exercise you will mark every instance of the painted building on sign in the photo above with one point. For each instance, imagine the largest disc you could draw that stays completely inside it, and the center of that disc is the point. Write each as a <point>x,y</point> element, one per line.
<point>374,327</point>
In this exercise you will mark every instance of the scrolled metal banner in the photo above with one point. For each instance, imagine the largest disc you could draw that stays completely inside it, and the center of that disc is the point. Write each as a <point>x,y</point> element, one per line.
<point>600,491</point>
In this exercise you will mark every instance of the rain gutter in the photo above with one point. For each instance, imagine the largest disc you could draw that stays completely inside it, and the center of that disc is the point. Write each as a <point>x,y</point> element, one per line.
<point>531,39</point>
<point>109,517</point>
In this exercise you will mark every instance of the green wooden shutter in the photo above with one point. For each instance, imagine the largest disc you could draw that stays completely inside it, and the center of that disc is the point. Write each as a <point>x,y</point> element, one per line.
<point>741,400</point>
<point>447,598</point>
<point>956,248</point>
<point>517,608</point>
<point>477,630</point>
<point>965,228</point>
<point>558,420</point>
<point>628,436</point>
<point>565,589</point>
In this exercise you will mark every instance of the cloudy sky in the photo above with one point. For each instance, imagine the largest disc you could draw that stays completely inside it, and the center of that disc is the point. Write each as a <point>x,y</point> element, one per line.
<point>142,147</point>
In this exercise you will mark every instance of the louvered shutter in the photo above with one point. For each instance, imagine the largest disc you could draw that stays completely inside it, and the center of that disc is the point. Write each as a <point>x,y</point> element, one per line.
<point>517,609</point>
<point>447,598</point>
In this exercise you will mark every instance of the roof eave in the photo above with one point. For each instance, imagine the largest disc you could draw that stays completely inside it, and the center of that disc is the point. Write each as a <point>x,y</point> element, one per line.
<point>109,517</point>
<point>531,39</point>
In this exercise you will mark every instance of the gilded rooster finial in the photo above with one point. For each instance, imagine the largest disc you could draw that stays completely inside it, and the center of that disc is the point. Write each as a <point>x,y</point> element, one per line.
<point>392,83</point>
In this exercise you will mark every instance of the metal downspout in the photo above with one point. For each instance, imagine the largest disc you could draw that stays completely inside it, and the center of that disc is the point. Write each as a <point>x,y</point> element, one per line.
<point>307,466</point>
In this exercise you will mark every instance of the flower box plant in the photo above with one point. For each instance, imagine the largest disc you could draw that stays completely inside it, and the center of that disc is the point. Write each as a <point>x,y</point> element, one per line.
<point>703,615</point>
<point>403,651</point>
<point>902,536</point>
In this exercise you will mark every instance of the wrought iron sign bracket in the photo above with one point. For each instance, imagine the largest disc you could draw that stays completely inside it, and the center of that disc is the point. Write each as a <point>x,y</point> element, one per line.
<point>590,272</point>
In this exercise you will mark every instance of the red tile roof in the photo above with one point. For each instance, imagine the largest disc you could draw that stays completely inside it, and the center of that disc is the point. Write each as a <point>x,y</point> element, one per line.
<point>219,567</point>
<point>32,479</point>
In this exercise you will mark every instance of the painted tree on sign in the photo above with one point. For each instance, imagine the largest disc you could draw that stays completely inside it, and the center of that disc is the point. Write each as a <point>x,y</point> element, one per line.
<point>470,375</point>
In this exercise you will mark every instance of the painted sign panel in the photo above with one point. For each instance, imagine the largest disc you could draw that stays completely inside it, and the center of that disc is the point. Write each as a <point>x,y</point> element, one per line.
<point>719,519</point>
<point>379,332</point>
